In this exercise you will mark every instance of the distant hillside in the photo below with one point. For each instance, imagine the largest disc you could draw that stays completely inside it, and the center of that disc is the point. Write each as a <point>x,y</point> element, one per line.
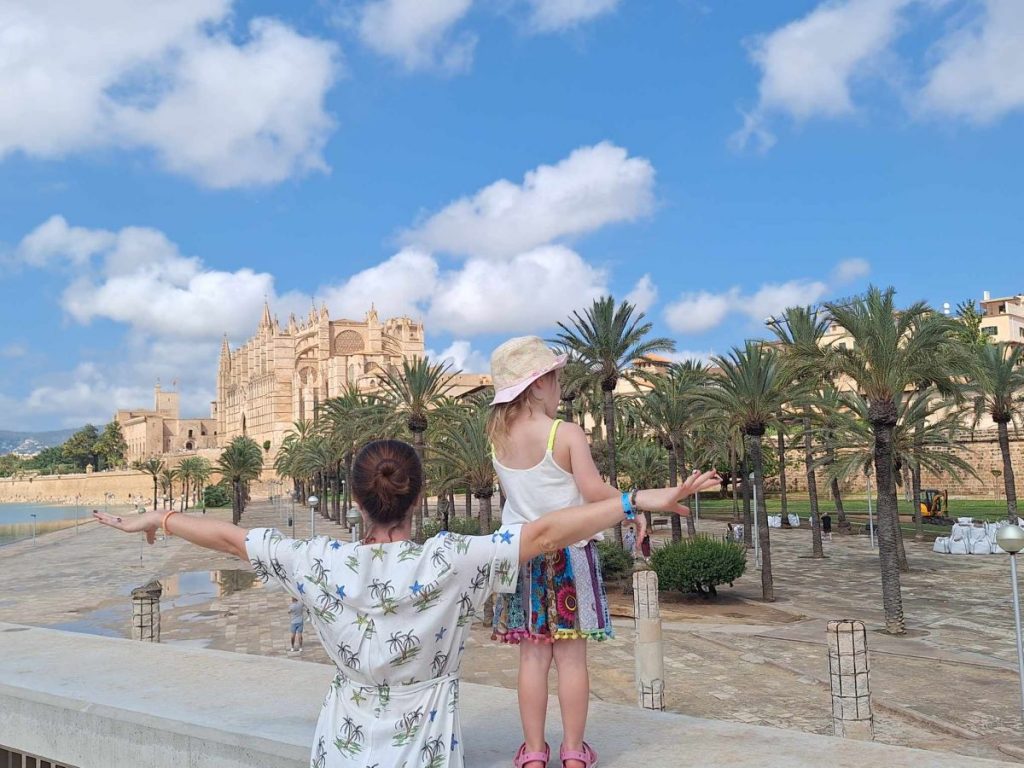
<point>31,443</point>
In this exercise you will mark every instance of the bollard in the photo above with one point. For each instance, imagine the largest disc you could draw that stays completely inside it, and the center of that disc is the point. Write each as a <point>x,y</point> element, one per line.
<point>650,658</point>
<point>146,612</point>
<point>848,675</point>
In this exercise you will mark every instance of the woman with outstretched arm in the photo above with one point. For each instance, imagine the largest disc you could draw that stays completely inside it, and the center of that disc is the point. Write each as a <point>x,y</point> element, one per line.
<point>392,614</point>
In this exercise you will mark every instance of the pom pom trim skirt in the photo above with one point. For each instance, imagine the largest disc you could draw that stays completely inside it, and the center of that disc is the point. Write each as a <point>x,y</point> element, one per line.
<point>559,596</point>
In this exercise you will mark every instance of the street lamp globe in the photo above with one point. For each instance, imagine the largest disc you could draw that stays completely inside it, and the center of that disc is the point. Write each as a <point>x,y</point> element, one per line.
<point>1010,538</point>
<point>313,501</point>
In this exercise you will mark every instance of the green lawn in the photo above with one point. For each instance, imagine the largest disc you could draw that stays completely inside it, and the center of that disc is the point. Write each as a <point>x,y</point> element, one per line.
<point>857,511</point>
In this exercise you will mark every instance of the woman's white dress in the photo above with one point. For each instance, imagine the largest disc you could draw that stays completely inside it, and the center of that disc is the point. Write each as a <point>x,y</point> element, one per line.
<point>394,619</point>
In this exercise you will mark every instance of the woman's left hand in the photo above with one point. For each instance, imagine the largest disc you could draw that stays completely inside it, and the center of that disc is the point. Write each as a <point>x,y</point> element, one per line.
<point>148,522</point>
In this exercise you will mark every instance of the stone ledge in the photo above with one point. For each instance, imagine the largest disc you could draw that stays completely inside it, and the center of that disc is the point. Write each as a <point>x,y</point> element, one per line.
<point>94,701</point>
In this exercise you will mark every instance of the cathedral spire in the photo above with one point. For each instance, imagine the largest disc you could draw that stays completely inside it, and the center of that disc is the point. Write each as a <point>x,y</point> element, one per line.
<point>225,350</point>
<point>266,321</point>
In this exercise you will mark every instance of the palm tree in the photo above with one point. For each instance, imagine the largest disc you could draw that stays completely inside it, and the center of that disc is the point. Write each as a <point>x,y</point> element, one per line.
<point>201,472</point>
<point>240,463</point>
<point>413,392</point>
<point>830,418</point>
<point>167,478</point>
<point>608,340</point>
<point>670,408</point>
<point>461,454</point>
<point>998,389</point>
<point>186,468</point>
<point>152,466</point>
<point>800,331</point>
<point>750,394</point>
<point>892,352</point>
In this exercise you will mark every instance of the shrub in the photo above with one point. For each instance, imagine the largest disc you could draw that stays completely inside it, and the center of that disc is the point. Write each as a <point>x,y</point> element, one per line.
<point>699,564</point>
<point>464,525</point>
<point>615,561</point>
<point>217,496</point>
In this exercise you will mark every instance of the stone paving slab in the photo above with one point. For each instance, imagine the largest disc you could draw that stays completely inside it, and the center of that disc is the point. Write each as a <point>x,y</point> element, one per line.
<point>216,699</point>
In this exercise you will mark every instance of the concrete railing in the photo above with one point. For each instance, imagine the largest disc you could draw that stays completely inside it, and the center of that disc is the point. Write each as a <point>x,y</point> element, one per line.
<point>96,702</point>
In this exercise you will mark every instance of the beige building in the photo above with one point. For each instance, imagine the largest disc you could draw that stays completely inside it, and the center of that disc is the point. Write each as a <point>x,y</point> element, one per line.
<point>162,431</point>
<point>1004,318</point>
<point>282,375</point>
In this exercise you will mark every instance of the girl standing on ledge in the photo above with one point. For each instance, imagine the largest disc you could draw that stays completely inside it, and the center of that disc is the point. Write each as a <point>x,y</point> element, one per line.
<point>393,615</point>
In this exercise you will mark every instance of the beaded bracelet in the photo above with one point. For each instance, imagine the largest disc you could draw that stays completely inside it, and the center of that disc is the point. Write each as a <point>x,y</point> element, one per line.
<point>627,507</point>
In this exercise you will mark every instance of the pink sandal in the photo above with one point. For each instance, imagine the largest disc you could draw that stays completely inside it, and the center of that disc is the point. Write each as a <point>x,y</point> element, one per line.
<point>587,755</point>
<point>525,758</point>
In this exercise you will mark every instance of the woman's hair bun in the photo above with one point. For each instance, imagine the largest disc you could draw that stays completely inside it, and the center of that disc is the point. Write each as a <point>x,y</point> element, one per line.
<point>387,478</point>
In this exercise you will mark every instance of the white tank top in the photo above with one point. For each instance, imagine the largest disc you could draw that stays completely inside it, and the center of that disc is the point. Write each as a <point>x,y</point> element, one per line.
<point>545,487</point>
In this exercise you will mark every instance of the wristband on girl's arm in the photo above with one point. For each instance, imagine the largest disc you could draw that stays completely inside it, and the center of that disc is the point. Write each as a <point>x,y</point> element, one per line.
<point>627,507</point>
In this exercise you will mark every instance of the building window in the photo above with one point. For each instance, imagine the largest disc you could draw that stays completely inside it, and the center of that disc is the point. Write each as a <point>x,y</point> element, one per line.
<point>190,433</point>
<point>989,330</point>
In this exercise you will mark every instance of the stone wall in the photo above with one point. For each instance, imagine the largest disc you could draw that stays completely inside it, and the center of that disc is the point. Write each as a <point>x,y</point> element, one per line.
<point>981,451</point>
<point>90,488</point>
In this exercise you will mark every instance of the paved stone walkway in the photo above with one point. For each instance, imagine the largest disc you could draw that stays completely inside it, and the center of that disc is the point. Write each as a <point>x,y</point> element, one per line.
<point>949,685</point>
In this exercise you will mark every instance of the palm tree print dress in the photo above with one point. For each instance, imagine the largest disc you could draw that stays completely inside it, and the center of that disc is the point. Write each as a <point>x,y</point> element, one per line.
<point>394,618</point>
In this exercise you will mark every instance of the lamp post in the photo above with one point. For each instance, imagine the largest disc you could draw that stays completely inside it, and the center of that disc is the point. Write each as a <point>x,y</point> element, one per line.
<point>312,501</point>
<point>1011,539</point>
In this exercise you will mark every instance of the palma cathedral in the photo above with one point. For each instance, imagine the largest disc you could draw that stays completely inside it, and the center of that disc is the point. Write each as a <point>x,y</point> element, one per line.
<point>283,374</point>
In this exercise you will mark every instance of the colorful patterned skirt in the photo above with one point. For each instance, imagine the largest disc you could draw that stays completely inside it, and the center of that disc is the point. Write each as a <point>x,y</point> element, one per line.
<point>559,596</point>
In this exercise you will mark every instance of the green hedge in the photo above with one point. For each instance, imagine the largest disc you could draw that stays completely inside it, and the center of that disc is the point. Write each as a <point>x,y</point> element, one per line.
<point>699,564</point>
<point>463,525</point>
<point>615,561</point>
<point>217,496</point>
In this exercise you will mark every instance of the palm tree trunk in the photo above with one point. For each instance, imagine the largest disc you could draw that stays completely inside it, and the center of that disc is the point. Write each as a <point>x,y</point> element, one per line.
<point>673,473</point>
<point>609,422</point>
<point>783,501</point>
<point>691,526</point>
<point>154,491</point>
<point>901,550</point>
<point>469,503</point>
<point>842,524</point>
<point>888,558</point>
<point>184,494</point>
<point>485,513</point>
<point>812,488</point>
<point>763,537</point>
<point>1009,483</point>
<point>735,489</point>
<point>748,517</point>
<point>417,444</point>
<point>236,501</point>
<point>915,490</point>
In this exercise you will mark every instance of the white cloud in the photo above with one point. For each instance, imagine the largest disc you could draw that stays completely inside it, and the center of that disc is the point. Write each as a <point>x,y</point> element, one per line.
<point>13,350</point>
<point>978,75</point>
<point>461,355</point>
<point>138,277</point>
<point>398,286</point>
<point>851,269</point>
<point>591,188</point>
<point>644,294</point>
<point>699,312</point>
<point>528,293</point>
<point>419,33</point>
<point>165,77</point>
<point>808,65</point>
<point>771,299</point>
<point>555,15</point>
<point>702,311</point>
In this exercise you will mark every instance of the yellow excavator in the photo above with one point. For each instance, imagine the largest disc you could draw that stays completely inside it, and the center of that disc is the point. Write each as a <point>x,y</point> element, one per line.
<point>935,506</point>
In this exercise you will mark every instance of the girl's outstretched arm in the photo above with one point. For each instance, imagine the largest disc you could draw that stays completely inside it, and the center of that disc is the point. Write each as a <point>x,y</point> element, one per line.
<point>209,534</point>
<point>561,528</point>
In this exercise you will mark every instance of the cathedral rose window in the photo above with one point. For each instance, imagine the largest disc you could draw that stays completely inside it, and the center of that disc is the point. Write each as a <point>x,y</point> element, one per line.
<point>348,343</point>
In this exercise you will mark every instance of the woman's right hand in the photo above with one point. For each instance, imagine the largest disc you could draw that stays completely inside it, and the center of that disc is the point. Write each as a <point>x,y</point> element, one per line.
<point>667,499</point>
<point>149,522</point>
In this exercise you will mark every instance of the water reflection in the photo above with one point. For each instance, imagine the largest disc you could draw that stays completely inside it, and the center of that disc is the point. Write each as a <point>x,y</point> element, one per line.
<point>194,587</point>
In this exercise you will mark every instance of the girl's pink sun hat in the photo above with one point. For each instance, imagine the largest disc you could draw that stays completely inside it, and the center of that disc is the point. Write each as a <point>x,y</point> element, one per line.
<point>519,362</point>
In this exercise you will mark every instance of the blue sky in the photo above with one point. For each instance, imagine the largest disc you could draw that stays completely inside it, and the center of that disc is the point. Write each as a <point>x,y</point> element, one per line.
<point>484,165</point>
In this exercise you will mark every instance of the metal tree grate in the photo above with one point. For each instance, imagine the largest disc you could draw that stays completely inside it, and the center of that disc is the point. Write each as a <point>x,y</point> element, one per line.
<point>849,678</point>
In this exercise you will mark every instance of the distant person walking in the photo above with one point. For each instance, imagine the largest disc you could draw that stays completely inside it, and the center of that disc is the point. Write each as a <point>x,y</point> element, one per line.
<point>826,526</point>
<point>394,615</point>
<point>297,614</point>
<point>629,538</point>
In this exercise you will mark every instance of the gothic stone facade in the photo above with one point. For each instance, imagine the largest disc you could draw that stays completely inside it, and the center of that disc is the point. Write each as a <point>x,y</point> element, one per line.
<point>282,375</point>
